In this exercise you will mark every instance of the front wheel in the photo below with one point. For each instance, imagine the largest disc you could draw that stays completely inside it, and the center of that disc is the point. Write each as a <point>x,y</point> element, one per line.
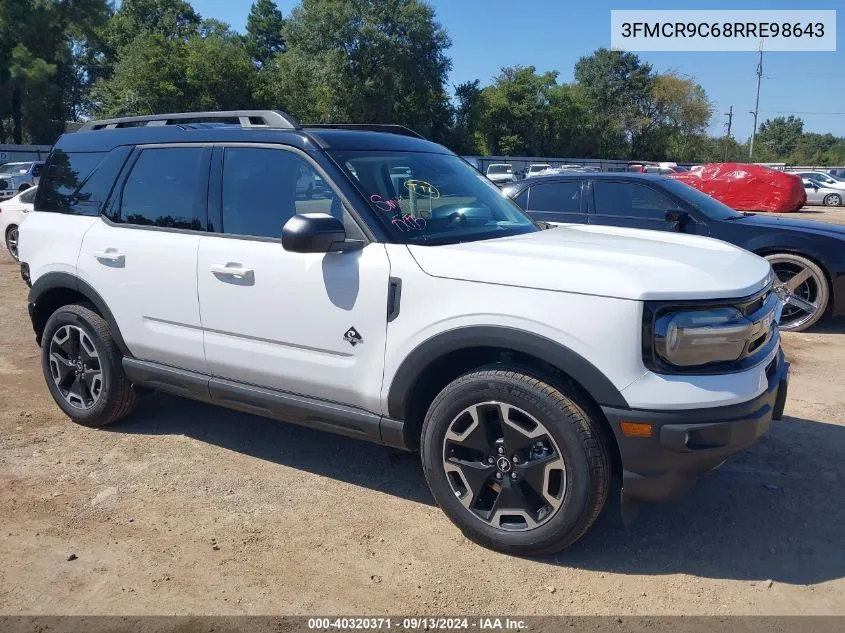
<point>515,462</point>
<point>82,366</point>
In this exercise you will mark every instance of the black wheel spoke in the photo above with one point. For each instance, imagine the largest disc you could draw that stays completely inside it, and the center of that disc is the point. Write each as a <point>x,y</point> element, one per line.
<point>63,367</point>
<point>533,472</point>
<point>90,377</point>
<point>80,390</point>
<point>472,432</point>
<point>475,475</point>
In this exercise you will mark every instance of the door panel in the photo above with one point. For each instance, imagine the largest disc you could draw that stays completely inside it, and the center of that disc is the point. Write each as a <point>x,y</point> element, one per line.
<point>278,319</point>
<point>282,321</point>
<point>148,280</point>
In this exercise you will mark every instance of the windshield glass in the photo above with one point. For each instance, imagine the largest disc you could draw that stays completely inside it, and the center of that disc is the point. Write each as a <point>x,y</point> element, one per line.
<point>535,168</point>
<point>11,169</point>
<point>499,169</point>
<point>710,207</point>
<point>432,198</point>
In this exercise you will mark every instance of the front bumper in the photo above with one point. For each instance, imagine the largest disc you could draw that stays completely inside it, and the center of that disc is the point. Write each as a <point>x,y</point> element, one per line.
<point>684,444</point>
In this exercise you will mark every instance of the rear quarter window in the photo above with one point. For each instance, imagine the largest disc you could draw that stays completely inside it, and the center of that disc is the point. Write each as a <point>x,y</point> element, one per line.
<point>78,183</point>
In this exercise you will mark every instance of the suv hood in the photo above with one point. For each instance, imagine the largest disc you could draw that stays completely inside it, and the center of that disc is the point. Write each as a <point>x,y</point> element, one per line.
<point>603,261</point>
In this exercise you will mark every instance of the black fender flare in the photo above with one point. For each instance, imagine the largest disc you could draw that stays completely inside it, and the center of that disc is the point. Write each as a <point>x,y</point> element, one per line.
<point>58,280</point>
<point>582,371</point>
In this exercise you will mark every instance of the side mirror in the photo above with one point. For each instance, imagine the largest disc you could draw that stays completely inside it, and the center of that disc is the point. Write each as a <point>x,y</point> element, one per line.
<point>316,233</point>
<point>678,217</point>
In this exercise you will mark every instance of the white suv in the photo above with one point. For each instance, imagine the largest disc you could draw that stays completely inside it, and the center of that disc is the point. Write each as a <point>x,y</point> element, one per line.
<point>412,305</point>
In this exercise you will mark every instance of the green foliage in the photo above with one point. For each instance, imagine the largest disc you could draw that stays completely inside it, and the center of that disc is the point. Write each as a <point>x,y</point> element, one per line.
<point>780,136</point>
<point>363,61</point>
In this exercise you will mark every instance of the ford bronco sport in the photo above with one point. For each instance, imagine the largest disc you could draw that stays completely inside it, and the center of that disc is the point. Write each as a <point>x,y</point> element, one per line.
<point>412,305</point>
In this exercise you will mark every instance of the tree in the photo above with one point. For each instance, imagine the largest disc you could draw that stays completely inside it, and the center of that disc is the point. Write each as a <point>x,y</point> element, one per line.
<point>617,87</point>
<point>171,19</point>
<point>264,27</point>
<point>780,136</point>
<point>363,61</point>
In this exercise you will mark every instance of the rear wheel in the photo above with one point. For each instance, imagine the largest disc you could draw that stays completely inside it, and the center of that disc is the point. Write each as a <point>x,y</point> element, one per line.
<point>82,366</point>
<point>515,462</point>
<point>12,241</point>
<point>802,286</point>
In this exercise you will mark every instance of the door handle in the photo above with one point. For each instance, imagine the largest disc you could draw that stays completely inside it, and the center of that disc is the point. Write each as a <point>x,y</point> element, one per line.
<point>231,270</point>
<point>109,255</point>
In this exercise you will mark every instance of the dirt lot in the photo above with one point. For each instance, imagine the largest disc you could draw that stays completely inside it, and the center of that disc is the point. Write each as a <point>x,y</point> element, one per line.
<point>835,215</point>
<point>184,508</point>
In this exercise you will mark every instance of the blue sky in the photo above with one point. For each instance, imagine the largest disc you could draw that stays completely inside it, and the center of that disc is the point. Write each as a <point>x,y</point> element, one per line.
<point>553,34</point>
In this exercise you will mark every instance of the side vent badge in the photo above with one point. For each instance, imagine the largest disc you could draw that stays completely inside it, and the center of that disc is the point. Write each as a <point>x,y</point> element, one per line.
<point>352,337</point>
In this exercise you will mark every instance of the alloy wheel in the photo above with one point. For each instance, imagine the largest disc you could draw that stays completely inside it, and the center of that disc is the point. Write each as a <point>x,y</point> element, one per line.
<point>12,241</point>
<point>832,200</point>
<point>799,288</point>
<point>504,466</point>
<point>75,367</point>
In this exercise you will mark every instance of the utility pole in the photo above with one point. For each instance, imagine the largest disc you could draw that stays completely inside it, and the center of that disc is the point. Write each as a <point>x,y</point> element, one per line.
<point>730,115</point>
<point>756,102</point>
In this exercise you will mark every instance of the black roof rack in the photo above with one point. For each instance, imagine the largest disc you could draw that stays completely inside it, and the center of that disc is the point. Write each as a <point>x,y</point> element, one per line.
<point>389,128</point>
<point>264,119</point>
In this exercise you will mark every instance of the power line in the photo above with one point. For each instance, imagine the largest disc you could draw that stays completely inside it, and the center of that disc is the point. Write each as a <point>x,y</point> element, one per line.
<point>757,102</point>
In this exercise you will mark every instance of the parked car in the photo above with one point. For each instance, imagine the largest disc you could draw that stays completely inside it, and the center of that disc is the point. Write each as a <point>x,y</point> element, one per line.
<point>808,257</point>
<point>823,179</point>
<point>819,194</point>
<point>12,213</point>
<point>18,177</point>
<point>500,173</point>
<point>527,366</point>
<point>839,174</point>
<point>646,167</point>
<point>536,168</point>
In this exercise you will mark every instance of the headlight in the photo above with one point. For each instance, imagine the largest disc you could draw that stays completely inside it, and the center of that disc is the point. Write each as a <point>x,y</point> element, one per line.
<point>698,337</point>
<point>721,337</point>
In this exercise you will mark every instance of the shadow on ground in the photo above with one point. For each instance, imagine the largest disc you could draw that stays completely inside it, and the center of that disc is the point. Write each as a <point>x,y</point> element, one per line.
<point>775,512</point>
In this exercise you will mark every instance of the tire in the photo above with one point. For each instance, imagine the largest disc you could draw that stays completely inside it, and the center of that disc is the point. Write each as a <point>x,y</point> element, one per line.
<point>108,400</point>
<point>12,241</point>
<point>23,187</point>
<point>832,200</point>
<point>574,445</point>
<point>813,291</point>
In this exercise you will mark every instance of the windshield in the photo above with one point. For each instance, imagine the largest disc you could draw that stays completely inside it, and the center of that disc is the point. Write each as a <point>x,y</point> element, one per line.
<point>710,207</point>
<point>11,169</point>
<point>536,168</point>
<point>499,169</point>
<point>432,198</point>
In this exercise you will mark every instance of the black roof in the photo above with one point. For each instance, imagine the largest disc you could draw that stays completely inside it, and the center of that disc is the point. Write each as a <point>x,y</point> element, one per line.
<point>305,138</point>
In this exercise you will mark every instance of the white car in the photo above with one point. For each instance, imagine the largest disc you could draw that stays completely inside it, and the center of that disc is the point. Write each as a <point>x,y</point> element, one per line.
<point>536,169</point>
<point>501,173</point>
<point>18,177</point>
<point>12,213</point>
<point>528,367</point>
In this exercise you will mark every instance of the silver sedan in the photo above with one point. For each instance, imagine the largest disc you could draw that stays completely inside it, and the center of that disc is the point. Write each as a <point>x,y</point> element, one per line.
<point>819,194</point>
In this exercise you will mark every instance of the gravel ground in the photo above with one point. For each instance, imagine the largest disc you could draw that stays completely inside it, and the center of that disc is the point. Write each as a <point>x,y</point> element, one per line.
<point>184,508</point>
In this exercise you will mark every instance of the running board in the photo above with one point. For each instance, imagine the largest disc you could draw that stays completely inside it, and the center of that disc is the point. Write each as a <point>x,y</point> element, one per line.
<point>278,405</point>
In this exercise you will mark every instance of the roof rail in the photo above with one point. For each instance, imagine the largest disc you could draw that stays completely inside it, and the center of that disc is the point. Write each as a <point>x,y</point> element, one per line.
<point>273,119</point>
<point>388,128</point>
